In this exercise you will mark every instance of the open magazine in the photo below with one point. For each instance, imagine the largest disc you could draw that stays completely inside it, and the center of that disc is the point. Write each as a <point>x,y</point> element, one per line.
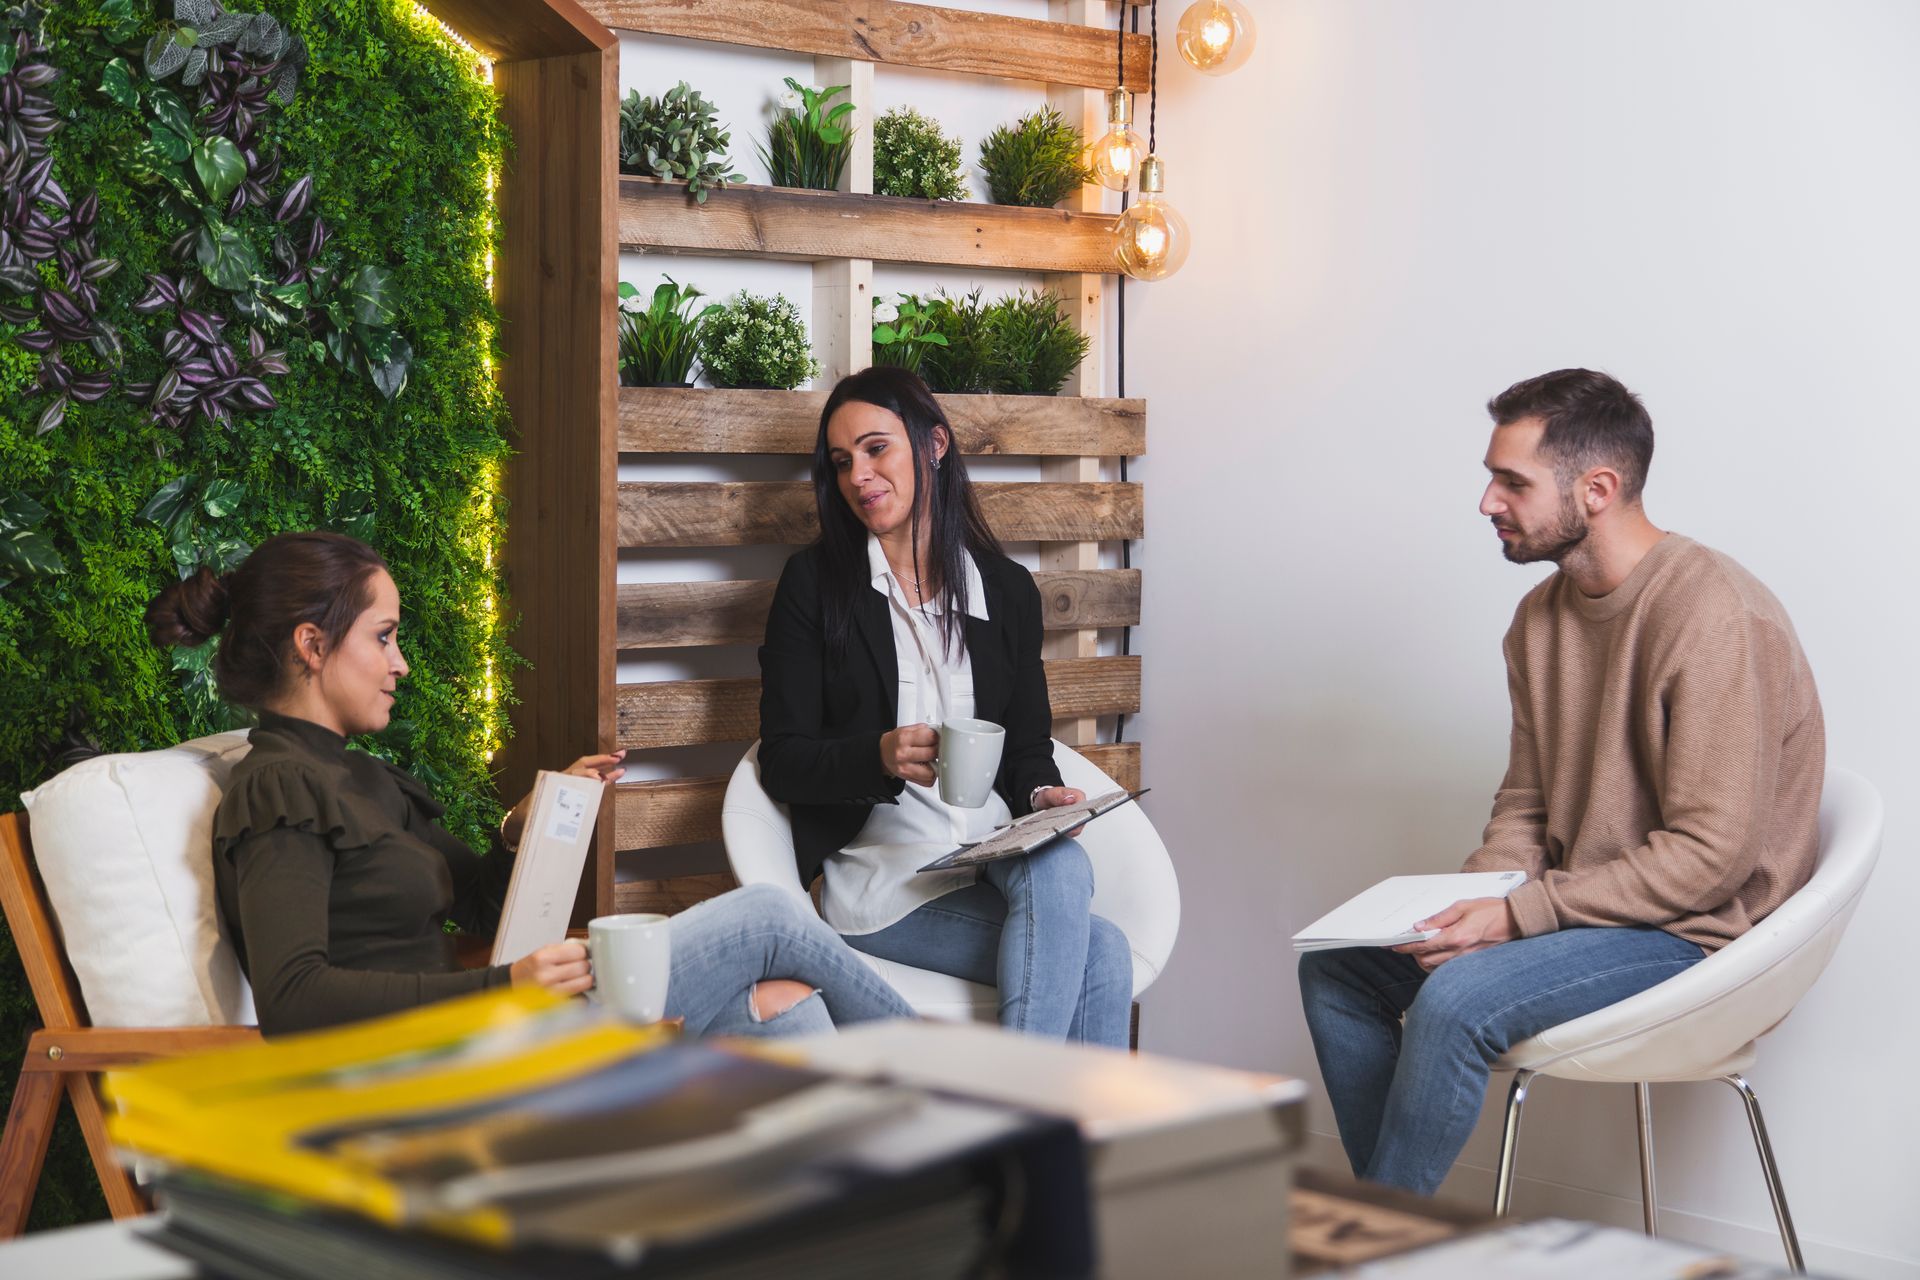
<point>1034,831</point>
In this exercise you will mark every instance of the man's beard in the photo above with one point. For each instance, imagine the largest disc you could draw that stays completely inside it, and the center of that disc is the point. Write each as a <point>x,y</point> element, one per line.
<point>1553,543</point>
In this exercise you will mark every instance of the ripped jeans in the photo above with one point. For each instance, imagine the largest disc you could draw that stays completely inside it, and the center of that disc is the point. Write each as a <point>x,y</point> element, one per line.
<point>725,945</point>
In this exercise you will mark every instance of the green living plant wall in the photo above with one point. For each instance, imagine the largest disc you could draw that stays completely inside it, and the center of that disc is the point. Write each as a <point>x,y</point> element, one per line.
<point>402,136</point>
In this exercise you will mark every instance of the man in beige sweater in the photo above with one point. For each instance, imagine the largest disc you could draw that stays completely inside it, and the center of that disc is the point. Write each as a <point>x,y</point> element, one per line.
<point>1662,792</point>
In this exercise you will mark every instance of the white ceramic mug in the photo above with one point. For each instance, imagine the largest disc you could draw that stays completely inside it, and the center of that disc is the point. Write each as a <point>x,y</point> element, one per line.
<point>632,956</point>
<point>968,761</point>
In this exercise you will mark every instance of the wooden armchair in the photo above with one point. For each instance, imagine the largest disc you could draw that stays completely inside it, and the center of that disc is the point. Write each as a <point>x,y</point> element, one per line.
<point>66,1054</point>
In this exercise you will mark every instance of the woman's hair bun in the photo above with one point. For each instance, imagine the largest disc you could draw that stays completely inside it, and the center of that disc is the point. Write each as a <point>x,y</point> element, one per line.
<point>189,612</point>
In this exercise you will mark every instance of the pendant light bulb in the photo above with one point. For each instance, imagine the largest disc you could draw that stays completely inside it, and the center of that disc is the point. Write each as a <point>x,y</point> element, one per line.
<point>1116,156</point>
<point>1215,36</point>
<point>1150,240</point>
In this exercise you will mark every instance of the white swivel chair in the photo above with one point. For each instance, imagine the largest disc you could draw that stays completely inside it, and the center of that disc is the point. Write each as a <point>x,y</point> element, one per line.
<point>1702,1024</point>
<point>1134,884</point>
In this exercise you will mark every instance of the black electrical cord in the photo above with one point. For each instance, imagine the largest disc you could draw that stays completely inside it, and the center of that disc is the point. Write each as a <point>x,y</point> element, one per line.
<point>1120,306</point>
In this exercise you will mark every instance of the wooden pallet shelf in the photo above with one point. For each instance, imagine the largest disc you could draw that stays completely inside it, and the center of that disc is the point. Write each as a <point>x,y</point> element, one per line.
<point>883,31</point>
<point>679,615</point>
<point>677,513</point>
<point>691,713</point>
<point>680,811</point>
<point>711,420</point>
<point>655,216</point>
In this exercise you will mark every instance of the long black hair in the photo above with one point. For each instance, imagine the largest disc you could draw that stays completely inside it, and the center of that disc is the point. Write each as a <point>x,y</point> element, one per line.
<point>944,506</point>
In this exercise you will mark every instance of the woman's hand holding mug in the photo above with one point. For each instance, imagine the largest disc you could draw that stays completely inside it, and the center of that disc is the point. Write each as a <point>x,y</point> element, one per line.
<point>907,753</point>
<point>561,968</point>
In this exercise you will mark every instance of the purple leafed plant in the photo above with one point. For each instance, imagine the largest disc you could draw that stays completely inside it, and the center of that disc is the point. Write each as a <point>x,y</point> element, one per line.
<point>203,376</point>
<point>40,225</point>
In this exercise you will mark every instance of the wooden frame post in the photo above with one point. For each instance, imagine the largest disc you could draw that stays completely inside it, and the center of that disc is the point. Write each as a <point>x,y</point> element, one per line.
<point>842,329</point>
<point>556,70</point>
<point>1085,299</point>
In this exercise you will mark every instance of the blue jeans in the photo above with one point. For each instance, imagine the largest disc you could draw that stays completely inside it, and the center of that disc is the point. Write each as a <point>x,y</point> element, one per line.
<point>1027,928</point>
<point>725,945</point>
<point>1406,1097</point>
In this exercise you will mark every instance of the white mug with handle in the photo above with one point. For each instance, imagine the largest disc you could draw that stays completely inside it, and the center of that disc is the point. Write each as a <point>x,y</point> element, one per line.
<point>632,956</point>
<point>968,761</point>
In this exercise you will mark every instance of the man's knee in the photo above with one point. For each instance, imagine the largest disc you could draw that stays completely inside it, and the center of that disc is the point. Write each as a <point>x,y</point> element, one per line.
<point>1459,1005</point>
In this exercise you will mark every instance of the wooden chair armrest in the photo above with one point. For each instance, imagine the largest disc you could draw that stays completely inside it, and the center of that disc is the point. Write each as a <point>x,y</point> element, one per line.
<point>100,1048</point>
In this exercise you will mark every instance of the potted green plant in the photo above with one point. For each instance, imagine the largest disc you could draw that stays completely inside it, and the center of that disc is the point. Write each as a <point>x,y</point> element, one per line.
<point>963,364</point>
<point>808,142</point>
<point>1037,161</point>
<point>1035,348</point>
<point>676,135</point>
<point>913,157</point>
<point>659,338</point>
<point>1021,344</point>
<point>903,331</point>
<point>756,341</point>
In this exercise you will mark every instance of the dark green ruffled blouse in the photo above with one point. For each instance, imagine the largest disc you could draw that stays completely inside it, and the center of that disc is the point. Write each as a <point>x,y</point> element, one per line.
<point>336,879</point>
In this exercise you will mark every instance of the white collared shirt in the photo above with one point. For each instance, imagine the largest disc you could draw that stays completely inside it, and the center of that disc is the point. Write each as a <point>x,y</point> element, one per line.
<point>871,883</point>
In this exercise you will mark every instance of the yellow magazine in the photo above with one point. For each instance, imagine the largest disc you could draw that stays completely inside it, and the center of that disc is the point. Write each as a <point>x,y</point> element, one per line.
<point>246,1113</point>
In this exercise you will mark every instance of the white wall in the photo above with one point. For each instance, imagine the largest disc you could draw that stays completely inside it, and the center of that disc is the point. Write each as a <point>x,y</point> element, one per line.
<point>1402,206</point>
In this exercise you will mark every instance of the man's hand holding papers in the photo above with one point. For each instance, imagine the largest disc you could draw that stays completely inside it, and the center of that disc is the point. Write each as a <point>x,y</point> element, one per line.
<point>1432,918</point>
<point>1471,925</point>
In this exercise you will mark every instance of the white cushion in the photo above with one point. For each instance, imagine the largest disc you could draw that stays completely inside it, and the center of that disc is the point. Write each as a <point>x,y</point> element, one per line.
<point>124,844</point>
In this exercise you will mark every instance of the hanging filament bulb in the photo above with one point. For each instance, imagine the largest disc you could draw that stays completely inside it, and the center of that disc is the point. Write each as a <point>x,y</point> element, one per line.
<point>1116,156</point>
<point>1215,36</point>
<point>1150,240</point>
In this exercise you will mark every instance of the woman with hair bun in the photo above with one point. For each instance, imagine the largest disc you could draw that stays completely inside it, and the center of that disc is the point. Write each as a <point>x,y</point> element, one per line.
<point>334,874</point>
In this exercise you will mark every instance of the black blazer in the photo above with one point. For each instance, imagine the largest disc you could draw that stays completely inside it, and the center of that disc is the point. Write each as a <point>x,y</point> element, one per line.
<point>822,715</point>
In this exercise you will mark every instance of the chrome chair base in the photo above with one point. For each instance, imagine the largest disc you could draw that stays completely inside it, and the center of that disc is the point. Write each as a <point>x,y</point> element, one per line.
<point>1643,1109</point>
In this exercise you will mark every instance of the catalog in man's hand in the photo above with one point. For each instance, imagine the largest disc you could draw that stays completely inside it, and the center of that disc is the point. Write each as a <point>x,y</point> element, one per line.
<point>1384,915</point>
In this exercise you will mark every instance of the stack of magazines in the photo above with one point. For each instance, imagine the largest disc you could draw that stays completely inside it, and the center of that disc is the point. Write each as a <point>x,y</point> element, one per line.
<point>514,1134</point>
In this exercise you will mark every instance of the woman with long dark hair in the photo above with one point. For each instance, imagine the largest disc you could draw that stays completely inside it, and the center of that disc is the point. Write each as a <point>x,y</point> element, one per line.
<point>333,873</point>
<point>904,615</point>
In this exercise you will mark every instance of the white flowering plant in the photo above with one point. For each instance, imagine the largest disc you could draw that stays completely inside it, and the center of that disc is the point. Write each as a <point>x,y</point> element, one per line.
<point>903,330</point>
<point>752,340</point>
<point>808,142</point>
<point>913,156</point>
<point>658,338</point>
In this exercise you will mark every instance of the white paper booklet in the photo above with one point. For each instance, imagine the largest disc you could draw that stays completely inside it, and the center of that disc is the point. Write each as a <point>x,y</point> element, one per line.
<point>546,873</point>
<point>1384,915</point>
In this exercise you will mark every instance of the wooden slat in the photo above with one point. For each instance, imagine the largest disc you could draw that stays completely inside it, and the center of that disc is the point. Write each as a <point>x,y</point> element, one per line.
<point>735,514</point>
<point>671,615</point>
<point>808,226</point>
<point>515,30</point>
<point>709,420</point>
<point>1071,598</point>
<point>673,811</point>
<point>671,896</point>
<point>1120,760</point>
<point>103,1048</point>
<point>681,811</point>
<point>906,35</point>
<point>686,713</point>
<point>1093,686</point>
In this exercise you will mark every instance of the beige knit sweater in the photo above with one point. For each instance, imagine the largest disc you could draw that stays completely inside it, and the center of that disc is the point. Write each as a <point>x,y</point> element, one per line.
<point>1667,755</point>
